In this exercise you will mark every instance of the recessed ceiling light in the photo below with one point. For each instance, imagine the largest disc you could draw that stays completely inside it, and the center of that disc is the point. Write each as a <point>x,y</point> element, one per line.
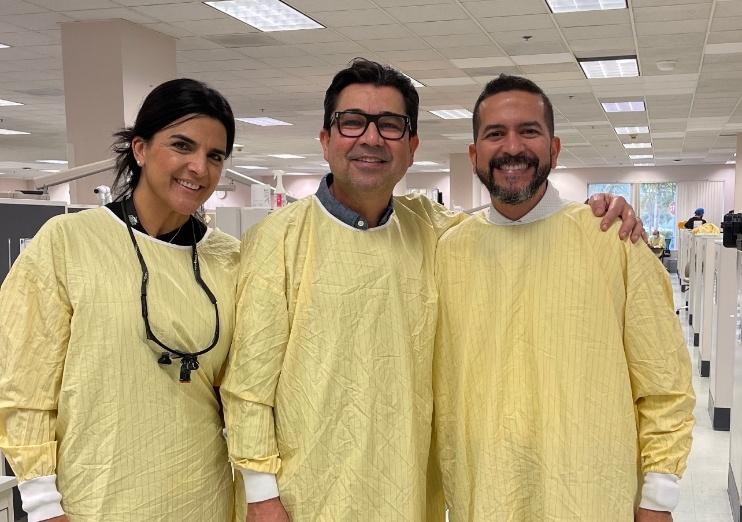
<point>3,46</point>
<point>266,15</point>
<point>46,170</point>
<point>560,167</point>
<point>571,6</point>
<point>8,103</point>
<point>640,156</point>
<point>263,122</point>
<point>415,83</point>
<point>286,156</point>
<point>444,170</point>
<point>644,164</point>
<point>613,67</point>
<point>54,162</point>
<point>632,106</point>
<point>424,163</point>
<point>453,114</point>
<point>8,132</point>
<point>637,145</point>
<point>250,167</point>
<point>632,130</point>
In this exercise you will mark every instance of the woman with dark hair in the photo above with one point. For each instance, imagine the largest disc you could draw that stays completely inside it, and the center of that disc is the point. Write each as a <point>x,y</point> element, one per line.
<point>116,325</point>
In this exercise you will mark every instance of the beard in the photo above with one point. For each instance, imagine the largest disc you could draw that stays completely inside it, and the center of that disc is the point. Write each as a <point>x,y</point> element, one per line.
<point>511,196</point>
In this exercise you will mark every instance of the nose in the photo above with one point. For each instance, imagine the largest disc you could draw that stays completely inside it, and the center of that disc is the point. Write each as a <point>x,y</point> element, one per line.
<point>198,165</point>
<point>512,143</point>
<point>371,136</point>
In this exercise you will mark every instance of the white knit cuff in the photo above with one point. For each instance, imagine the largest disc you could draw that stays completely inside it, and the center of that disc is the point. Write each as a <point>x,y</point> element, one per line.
<point>661,492</point>
<point>40,497</point>
<point>259,486</point>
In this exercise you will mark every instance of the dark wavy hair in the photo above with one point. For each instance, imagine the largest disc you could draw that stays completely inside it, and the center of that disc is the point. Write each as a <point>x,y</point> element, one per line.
<point>361,70</point>
<point>504,83</point>
<point>166,104</point>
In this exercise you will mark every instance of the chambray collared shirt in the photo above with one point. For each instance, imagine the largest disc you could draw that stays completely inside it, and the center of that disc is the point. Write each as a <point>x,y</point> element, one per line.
<point>343,213</point>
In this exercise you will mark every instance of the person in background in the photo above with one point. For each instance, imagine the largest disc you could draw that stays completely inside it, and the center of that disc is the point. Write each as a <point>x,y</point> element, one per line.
<point>116,325</point>
<point>696,220</point>
<point>656,242</point>
<point>328,395</point>
<point>562,381</point>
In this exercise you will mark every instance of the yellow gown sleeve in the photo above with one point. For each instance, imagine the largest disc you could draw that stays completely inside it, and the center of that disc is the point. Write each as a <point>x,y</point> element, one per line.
<point>34,334</point>
<point>259,346</point>
<point>659,366</point>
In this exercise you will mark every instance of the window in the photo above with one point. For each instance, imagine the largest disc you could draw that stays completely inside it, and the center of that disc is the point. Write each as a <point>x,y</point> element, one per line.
<point>657,203</point>
<point>617,189</point>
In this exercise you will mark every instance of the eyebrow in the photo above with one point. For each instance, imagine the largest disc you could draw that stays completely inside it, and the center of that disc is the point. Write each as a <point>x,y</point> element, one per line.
<point>533,123</point>
<point>193,142</point>
<point>360,111</point>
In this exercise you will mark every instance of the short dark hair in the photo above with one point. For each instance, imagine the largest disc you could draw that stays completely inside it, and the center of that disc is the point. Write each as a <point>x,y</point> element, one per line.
<point>506,82</point>
<point>361,70</point>
<point>167,103</point>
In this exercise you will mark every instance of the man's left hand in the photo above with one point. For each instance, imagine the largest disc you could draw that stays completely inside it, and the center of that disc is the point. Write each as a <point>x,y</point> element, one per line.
<point>647,515</point>
<point>611,208</point>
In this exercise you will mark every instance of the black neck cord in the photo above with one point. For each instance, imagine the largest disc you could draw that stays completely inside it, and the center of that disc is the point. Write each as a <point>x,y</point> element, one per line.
<point>189,361</point>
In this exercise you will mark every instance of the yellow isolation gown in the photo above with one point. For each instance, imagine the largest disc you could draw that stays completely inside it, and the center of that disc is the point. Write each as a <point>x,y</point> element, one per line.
<point>329,381</point>
<point>558,368</point>
<point>81,392</point>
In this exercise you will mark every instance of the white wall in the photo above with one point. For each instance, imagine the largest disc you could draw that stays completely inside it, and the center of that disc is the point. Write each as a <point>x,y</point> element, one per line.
<point>572,183</point>
<point>11,185</point>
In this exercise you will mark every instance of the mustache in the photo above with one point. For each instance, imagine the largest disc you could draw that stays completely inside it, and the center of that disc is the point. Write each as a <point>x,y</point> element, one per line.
<point>364,150</point>
<point>496,163</point>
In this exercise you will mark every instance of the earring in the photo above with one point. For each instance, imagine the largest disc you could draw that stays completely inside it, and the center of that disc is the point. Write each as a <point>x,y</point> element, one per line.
<point>139,163</point>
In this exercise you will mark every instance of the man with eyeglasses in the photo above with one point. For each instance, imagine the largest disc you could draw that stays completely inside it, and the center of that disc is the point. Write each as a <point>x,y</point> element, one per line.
<point>328,395</point>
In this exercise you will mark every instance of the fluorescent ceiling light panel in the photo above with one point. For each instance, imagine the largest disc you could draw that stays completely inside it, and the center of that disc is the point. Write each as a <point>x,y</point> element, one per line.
<point>425,163</point>
<point>8,132</point>
<point>53,162</point>
<point>632,130</point>
<point>641,156</point>
<point>444,170</point>
<point>637,145</point>
<point>453,114</point>
<point>8,103</point>
<point>45,170</point>
<point>263,122</point>
<point>618,67</point>
<point>266,15</point>
<point>250,167</point>
<point>633,106</point>
<point>286,156</point>
<point>571,6</point>
<point>644,164</point>
<point>3,46</point>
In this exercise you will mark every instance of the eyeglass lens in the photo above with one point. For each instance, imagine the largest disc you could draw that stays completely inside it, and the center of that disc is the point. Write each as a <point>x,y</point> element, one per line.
<point>353,124</point>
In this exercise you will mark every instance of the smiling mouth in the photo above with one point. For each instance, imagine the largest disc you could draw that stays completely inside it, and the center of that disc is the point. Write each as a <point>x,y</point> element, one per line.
<point>509,167</point>
<point>370,160</point>
<point>187,184</point>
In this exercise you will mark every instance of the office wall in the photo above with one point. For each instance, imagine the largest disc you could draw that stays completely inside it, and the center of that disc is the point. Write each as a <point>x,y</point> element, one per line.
<point>572,183</point>
<point>11,185</point>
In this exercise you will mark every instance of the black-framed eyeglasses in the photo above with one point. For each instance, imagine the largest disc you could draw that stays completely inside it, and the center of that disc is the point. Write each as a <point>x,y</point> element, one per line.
<point>352,124</point>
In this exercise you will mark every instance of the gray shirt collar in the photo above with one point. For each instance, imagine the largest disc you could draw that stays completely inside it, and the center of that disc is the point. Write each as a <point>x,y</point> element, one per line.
<point>549,205</point>
<point>343,213</point>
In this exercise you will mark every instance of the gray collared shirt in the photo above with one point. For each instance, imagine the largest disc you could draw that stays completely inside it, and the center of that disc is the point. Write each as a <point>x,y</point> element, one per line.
<point>343,213</point>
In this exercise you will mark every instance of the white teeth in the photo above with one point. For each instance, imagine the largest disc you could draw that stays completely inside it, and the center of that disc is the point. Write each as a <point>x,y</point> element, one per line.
<point>188,185</point>
<point>370,160</point>
<point>514,166</point>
